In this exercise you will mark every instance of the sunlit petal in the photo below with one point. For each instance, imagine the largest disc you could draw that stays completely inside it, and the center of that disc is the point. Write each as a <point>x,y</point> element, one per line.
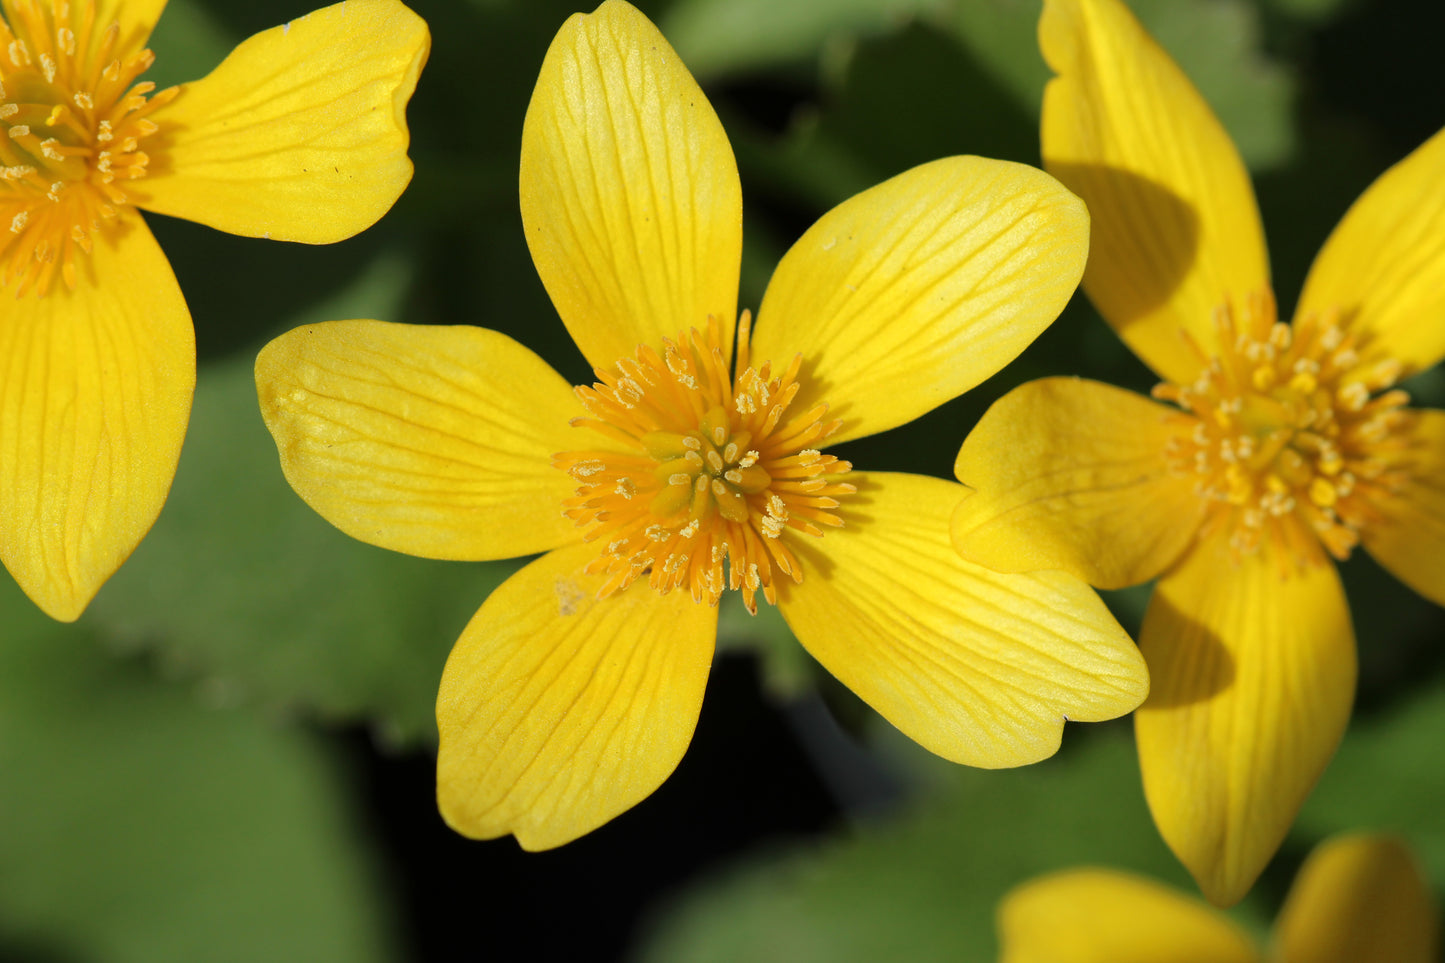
<point>630,194</point>
<point>300,134</point>
<point>1383,268</point>
<point>978,667</point>
<point>1071,474</point>
<point>1176,228</point>
<point>1359,899</point>
<point>1406,530</point>
<point>1103,916</point>
<point>95,392</point>
<point>435,441</point>
<point>1253,669</point>
<point>557,711</point>
<point>914,291</point>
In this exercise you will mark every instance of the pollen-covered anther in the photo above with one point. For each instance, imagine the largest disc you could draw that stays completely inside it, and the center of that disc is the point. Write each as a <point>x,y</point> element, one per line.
<point>699,474</point>
<point>1287,432</point>
<point>74,119</point>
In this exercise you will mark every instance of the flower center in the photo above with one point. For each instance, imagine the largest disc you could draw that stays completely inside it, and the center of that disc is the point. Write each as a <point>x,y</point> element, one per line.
<point>72,124</point>
<point>705,469</point>
<point>1291,433</point>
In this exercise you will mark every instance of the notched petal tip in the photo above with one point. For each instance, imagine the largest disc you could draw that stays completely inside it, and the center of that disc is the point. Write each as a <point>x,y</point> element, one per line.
<point>558,711</point>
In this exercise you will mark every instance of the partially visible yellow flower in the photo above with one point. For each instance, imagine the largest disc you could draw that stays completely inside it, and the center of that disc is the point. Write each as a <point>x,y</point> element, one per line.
<point>1285,445</point>
<point>693,466</point>
<point>298,135</point>
<point>1357,899</point>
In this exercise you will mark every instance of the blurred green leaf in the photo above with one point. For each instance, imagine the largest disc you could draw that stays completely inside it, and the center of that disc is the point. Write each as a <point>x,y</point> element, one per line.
<point>144,827</point>
<point>923,885</point>
<point>720,37</point>
<point>188,42</point>
<point>243,586</point>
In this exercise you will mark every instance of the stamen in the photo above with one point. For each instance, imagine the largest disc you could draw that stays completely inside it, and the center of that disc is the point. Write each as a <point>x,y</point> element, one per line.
<point>721,480</point>
<point>1282,451</point>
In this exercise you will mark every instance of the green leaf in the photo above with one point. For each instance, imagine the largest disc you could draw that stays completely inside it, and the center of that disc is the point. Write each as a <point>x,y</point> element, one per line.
<point>923,884</point>
<point>720,37</point>
<point>139,825</point>
<point>244,587</point>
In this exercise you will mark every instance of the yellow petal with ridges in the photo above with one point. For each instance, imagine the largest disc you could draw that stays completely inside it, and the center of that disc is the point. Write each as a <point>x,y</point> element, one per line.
<point>910,293</point>
<point>1070,474</point>
<point>95,393</point>
<point>1406,531</point>
<point>300,134</point>
<point>1253,669</point>
<point>558,711</point>
<point>630,195</point>
<point>1383,267</point>
<point>1176,228</point>
<point>1105,916</point>
<point>1359,899</point>
<point>434,441</point>
<point>978,667</point>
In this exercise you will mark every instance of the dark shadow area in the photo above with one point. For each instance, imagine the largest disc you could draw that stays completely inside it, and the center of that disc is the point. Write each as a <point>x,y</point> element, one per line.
<point>744,780</point>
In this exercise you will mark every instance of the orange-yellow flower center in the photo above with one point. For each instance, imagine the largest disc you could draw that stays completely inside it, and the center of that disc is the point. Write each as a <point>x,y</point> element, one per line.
<point>71,123</point>
<point>702,470</point>
<point>1290,432</point>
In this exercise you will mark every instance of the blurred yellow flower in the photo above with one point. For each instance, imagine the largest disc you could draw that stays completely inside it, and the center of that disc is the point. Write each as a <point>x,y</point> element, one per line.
<point>574,691</point>
<point>1357,899</point>
<point>1285,444</point>
<point>298,135</point>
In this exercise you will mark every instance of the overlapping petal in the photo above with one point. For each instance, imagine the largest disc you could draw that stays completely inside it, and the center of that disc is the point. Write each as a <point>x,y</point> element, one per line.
<point>1070,474</point>
<point>435,441</point>
<point>137,18</point>
<point>630,195</point>
<point>1176,228</point>
<point>1252,662</point>
<point>914,291</point>
<point>557,711</point>
<point>1406,533</point>
<point>300,134</point>
<point>1357,899</point>
<point>1104,916</point>
<point>95,392</point>
<point>1383,267</point>
<point>978,667</point>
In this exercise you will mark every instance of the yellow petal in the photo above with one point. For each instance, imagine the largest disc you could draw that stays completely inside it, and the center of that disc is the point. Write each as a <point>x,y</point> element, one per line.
<point>1070,474</point>
<point>1253,676</point>
<point>916,290</point>
<point>980,668</point>
<point>1176,229</point>
<point>1105,916</point>
<point>630,194</point>
<point>300,134</point>
<point>1383,267</point>
<point>557,711</point>
<point>137,18</point>
<point>95,392</point>
<point>1359,899</point>
<point>1406,532</point>
<point>434,441</point>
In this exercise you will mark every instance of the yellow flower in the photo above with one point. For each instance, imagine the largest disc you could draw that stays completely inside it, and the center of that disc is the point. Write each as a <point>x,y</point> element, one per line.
<point>1285,444</point>
<point>574,691</point>
<point>298,135</point>
<point>1357,899</point>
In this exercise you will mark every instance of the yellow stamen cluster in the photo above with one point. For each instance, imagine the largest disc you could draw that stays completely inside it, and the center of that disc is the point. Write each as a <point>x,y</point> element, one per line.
<point>701,468</point>
<point>1289,431</point>
<point>71,123</point>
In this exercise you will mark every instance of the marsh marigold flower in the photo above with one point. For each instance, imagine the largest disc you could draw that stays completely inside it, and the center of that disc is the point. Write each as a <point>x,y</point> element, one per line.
<point>298,135</point>
<point>1272,449</point>
<point>695,464</point>
<point>1357,899</point>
